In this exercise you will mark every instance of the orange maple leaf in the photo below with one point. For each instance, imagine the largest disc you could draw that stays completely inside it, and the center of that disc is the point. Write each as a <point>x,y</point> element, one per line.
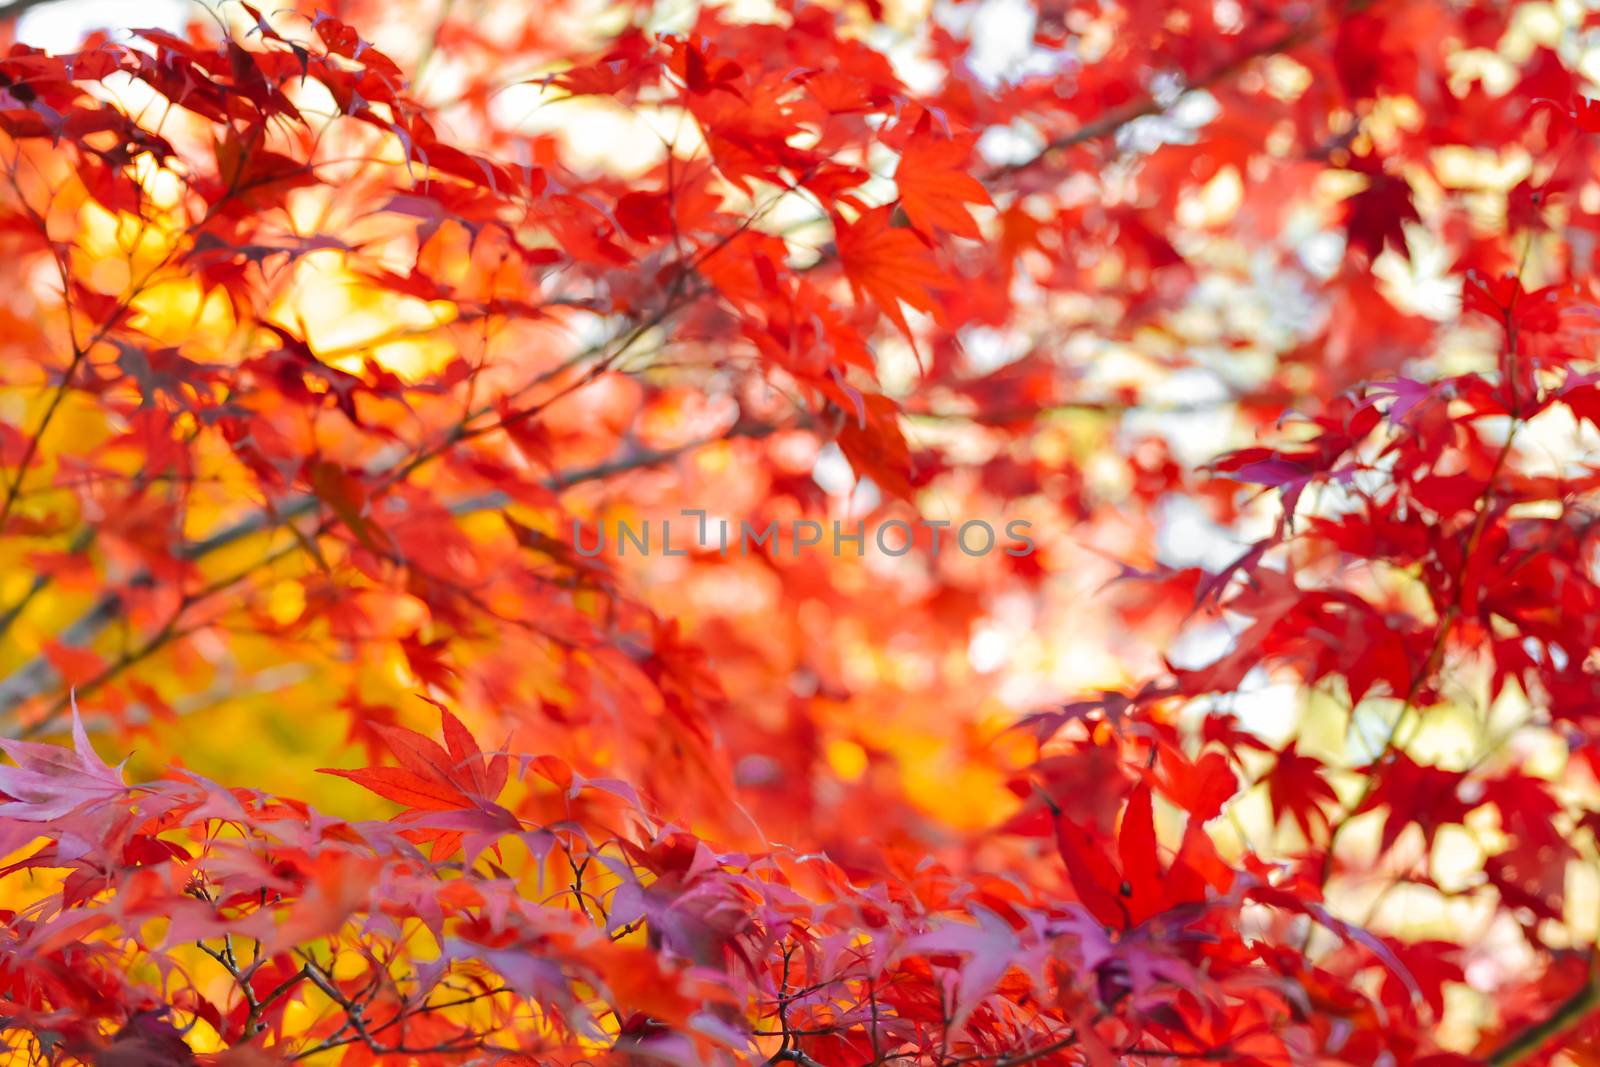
<point>77,666</point>
<point>934,190</point>
<point>889,264</point>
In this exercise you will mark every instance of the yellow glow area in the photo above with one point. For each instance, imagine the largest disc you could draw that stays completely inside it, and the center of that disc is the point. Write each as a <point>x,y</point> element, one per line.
<point>18,893</point>
<point>286,602</point>
<point>180,311</point>
<point>715,459</point>
<point>967,796</point>
<point>1286,79</point>
<point>1391,117</point>
<point>1458,858</point>
<point>144,243</point>
<point>345,318</point>
<point>162,186</point>
<point>1215,202</point>
<point>1463,167</point>
<point>848,759</point>
<point>126,257</point>
<point>1536,25</point>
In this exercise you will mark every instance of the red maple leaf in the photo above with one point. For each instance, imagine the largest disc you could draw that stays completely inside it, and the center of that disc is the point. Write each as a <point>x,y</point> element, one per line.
<point>432,779</point>
<point>1296,787</point>
<point>1375,218</point>
<point>934,190</point>
<point>890,265</point>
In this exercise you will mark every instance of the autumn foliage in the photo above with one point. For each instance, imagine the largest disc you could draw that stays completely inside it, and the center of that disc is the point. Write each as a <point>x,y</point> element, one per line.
<point>330,336</point>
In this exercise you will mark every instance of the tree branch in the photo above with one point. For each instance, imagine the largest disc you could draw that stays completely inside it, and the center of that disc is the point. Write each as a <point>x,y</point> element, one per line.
<point>1523,1045</point>
<point>39,675</point>
<point>17,8</point>
<point>1144,107</point>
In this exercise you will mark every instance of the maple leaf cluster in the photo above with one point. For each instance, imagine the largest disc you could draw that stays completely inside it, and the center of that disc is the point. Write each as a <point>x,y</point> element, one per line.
<point>326,332</point>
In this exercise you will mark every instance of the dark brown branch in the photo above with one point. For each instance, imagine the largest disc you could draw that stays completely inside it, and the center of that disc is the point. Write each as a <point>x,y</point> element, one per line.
<point>17,8</point>
<point>1528,1042</point>
<point>366,1032</point>
<point>1146,106</point>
